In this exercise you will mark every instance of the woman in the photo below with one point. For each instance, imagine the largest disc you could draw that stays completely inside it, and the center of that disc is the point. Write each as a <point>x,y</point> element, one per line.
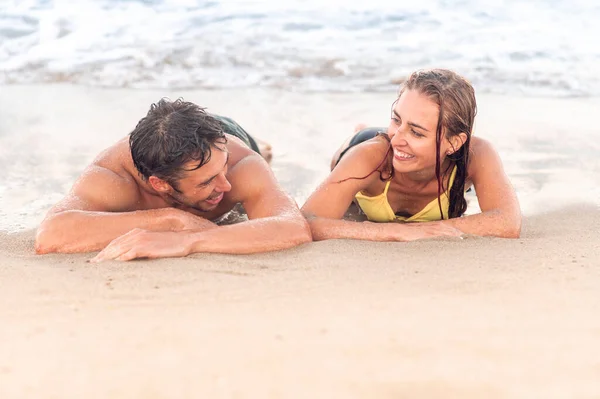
<point>417,170</point>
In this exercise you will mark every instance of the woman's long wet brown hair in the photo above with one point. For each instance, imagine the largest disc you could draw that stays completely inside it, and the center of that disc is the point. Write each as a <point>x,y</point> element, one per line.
<point>455,98</point>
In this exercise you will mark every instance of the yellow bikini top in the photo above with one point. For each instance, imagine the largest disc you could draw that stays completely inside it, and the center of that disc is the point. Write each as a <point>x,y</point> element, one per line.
<point>378,208</point>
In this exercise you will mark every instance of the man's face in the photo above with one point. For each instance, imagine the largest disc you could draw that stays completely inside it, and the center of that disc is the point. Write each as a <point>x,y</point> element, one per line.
<point>203,188</point>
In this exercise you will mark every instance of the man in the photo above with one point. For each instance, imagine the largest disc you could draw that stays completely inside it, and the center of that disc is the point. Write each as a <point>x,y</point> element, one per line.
<point>157,193</point>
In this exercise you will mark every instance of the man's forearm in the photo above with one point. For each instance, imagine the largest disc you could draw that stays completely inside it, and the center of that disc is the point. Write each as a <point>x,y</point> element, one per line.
<point>254,236</point>
<point>84,231</point>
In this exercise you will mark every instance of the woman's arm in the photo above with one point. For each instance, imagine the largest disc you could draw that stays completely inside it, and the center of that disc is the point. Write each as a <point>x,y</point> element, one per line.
<point>326,206</point>
<point>500,213</point>
<point>325,229</point>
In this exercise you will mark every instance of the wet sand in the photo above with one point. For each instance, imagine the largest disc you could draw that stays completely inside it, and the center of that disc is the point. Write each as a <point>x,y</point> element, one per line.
<point>472,318</point>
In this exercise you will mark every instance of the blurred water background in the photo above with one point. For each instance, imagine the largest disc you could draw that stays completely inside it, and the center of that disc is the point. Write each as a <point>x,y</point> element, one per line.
<point>538,47</point>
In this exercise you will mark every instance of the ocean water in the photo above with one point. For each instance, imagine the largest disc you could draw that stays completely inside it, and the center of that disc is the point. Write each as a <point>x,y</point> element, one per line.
<point>537,48</point>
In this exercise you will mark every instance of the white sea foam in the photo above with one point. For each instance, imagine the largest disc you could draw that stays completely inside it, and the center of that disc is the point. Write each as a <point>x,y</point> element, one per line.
<point>543,47</point>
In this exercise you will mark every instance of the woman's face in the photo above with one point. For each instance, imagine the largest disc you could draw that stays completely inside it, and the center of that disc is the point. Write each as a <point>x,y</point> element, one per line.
<point>412,131</point>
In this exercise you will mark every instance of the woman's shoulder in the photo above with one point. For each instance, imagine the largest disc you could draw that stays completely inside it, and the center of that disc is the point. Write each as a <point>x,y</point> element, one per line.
<point>367,156</point>
<point>481,149</point>
<point>482,155</point>
<point>479,144</point>
<point>364,163</point>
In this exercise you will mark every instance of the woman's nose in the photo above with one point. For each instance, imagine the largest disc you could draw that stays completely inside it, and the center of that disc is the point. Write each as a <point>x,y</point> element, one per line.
<point>392,130</point>
<point>398,137</point>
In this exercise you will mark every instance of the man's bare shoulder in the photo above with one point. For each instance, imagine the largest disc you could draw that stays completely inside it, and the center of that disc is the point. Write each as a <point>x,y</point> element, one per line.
<point>248,170</point>
<point>106,184</point>
<point>114,167</point>
<point>116,158</point>
<point>254,185</point>
<point>238,150</point>
<point>243,161</point>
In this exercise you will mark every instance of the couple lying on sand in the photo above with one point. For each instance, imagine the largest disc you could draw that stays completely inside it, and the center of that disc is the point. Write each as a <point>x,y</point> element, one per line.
<point>157,192</point>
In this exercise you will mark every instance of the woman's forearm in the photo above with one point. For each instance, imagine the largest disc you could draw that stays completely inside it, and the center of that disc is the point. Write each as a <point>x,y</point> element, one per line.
<point>496,223</point>
<point>327,229</point>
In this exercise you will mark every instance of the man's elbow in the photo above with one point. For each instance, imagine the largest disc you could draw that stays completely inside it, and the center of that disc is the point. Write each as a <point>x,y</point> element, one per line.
<point>511,233</point>
<point>297,232</point>
<point>303,233</point>
<point>514,231</point>
<point>50,237</point>
<point>44,241</point>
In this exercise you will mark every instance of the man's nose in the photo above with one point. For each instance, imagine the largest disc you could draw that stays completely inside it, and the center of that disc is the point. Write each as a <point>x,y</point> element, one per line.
<point>223,184</point>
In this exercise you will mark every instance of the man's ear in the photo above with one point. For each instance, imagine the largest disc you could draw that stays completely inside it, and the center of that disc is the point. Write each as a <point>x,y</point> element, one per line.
<point>159,184</point>
<point>457,141</point>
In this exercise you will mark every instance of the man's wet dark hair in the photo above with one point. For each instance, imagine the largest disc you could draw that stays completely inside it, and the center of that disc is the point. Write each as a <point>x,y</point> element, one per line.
<point>172,134</point>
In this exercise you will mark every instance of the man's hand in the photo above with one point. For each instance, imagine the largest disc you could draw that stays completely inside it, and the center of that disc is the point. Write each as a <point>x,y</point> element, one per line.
<point>418,231</point>
<point>140,243</point>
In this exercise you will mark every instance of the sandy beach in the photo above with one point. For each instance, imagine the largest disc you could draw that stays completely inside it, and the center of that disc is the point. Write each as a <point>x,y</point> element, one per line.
<point>472,318</point>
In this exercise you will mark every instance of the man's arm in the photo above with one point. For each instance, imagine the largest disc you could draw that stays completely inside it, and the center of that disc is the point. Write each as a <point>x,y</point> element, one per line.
<point>275,223</point>
<point>99,209</point>
<point>275,220</point>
